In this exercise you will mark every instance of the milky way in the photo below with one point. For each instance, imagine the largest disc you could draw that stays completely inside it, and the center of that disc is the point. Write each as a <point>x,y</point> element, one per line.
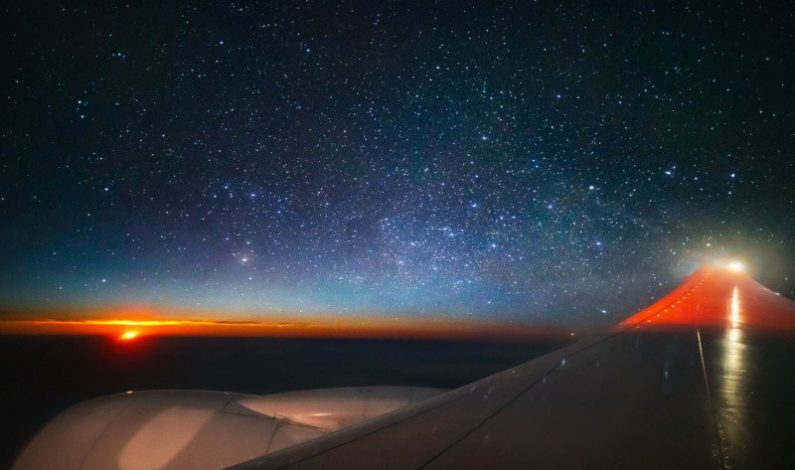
<point>534,162</point>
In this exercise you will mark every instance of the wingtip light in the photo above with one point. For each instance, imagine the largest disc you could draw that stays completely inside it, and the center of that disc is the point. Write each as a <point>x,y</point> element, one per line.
<point>735,266</point>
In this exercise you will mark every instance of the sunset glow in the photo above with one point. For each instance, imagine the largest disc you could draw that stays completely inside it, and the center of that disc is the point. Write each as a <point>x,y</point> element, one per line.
<point>127,329</point>
<point>129,335</point>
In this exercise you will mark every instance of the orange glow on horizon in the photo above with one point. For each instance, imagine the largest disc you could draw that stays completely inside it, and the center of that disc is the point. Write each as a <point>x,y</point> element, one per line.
<point>336,327</point>
<point>129,335</point>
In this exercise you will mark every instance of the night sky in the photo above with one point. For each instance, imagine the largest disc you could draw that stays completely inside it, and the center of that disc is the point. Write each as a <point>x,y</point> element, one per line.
<point>535,162</point>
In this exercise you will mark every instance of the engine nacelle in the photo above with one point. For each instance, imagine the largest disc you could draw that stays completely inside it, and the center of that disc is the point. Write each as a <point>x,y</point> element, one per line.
<point>200,429</point>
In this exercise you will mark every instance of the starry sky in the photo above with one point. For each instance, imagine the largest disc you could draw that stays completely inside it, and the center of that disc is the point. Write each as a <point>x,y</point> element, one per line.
<point>533,162</point>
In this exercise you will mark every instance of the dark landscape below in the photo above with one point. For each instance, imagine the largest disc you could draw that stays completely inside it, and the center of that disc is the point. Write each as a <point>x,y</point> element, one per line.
<point>45,374</point>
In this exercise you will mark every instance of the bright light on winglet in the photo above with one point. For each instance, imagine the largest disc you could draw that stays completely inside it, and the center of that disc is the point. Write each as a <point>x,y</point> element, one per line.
<point>735,266</point>
<point>129,335</point>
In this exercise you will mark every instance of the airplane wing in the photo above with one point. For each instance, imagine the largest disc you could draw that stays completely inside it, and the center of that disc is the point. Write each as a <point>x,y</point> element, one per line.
<point>701,379</point>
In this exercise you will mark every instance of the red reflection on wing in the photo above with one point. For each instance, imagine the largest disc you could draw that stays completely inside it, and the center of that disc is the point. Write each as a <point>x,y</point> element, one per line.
<point>720,298</point>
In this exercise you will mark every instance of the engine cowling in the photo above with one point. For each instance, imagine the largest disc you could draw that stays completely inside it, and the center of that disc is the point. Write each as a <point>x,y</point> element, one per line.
<point>201,429</point>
